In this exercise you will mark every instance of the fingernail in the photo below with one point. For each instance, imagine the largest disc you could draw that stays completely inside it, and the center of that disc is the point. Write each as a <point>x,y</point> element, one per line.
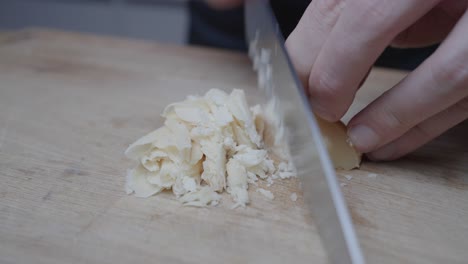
<point>322,112</point>
<point>363,138</point>
<point>384,153</point>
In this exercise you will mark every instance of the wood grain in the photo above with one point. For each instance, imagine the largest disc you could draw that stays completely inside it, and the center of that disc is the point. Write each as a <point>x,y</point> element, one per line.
<point>69,106</point>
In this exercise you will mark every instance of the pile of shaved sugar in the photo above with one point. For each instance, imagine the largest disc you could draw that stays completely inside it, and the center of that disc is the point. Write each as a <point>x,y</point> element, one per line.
<point>210,144</point>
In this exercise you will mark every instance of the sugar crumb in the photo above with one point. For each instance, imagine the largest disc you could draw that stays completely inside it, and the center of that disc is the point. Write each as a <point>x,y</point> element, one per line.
<point>266,193</point>
<point>269,181</point>
<point>293,197</point>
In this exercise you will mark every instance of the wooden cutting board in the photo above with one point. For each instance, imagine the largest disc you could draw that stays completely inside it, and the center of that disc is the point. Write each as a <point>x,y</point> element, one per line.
<point>69,106</point>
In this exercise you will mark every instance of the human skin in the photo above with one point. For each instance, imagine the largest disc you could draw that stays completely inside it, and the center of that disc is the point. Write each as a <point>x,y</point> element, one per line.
<point>335,44</point>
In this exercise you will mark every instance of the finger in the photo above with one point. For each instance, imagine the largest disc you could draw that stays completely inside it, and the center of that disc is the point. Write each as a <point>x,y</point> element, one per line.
<point>433,27</point>
<point>437,84</point>
<point>306,40</point>
<point>360,35</point>
<point>423,133</point>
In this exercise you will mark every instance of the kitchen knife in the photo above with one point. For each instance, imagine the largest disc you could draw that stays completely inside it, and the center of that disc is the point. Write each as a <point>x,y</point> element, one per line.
<point>282,89</point>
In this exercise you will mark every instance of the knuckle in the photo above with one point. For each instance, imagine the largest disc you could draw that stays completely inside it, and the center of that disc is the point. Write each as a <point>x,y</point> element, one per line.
<point>391,121</point>
<point>330,93</point>
<point>373,8</point>
<point>379,13</point>
<point>327,6</point>
<point>321,85</point>
<point>327,11</point>
<point>451,73</point>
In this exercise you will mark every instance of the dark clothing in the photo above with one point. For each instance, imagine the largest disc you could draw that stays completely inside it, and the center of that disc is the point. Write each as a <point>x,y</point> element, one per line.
<point>225,29</point>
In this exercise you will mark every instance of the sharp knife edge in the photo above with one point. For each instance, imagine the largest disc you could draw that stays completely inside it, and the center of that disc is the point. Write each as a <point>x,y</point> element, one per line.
<point>280,84</point>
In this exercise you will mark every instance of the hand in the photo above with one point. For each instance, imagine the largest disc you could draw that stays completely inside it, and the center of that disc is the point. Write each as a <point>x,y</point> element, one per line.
<point>224,4</point>
<point>336,43</point>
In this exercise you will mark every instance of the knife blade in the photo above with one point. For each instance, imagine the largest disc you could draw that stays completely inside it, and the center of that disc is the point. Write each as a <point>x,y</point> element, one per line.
<point>282,88</point>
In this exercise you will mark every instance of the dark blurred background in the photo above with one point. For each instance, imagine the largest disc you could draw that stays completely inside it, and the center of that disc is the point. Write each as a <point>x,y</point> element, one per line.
<point>161,20</point>
<point>172,21</point>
